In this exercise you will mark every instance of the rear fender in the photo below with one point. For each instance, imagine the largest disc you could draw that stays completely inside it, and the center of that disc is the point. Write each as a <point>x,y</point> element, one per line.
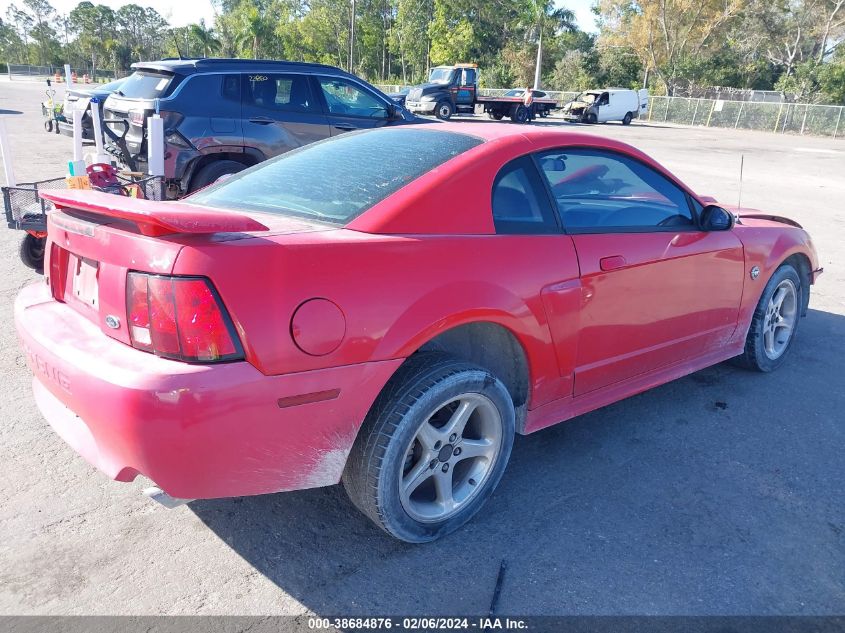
<point>461,303</point>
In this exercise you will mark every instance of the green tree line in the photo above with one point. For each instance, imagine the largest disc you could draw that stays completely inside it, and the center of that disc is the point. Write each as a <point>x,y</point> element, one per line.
<point>675,46</point>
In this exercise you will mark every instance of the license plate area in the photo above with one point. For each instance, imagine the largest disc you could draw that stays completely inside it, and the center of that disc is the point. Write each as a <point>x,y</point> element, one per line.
<point>82,286</point>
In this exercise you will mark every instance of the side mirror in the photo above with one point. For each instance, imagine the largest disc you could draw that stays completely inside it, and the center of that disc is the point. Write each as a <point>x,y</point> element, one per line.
<point>395,112</point>
<point>715,218</point>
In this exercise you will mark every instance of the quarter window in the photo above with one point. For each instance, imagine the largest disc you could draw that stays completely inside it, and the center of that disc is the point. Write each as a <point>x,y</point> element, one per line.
<point>598,192</point>
<point>344,97</point>
<point>272,91</point>
<point>519,201</point>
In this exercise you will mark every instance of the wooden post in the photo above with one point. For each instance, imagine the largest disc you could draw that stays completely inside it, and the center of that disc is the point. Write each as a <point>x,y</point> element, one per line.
<point>666,114</point>
<point>804,122</point>
<point>710,116</point>
<point>838,121</point>
<point>695,113</point>
<point>739,114</point>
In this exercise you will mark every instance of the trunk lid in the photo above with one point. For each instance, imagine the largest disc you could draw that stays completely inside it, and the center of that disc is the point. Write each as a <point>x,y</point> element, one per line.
<point>95,239</point>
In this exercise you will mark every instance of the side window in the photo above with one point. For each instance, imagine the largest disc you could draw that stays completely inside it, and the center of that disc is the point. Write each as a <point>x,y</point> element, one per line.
<point>344,97</point>
<point>519,200</point>
<point>288,93</point>
<point>232,87</point>
<point>468,77</point>
<point>601,192</point>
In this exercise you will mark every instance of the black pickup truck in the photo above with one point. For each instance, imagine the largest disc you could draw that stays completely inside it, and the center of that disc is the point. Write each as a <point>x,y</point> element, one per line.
<point>452,89</point>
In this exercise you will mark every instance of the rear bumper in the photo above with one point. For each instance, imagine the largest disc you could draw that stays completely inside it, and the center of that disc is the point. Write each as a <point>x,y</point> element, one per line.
<point>197,431</point>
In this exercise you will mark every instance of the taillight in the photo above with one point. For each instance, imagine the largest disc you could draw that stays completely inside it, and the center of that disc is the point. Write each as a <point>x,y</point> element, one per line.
<point>136,117</point>
<point>180,318</point>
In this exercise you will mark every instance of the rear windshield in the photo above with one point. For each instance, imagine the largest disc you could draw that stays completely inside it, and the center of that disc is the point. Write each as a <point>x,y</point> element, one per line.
<point>337,179</point>
<point>145,85</point>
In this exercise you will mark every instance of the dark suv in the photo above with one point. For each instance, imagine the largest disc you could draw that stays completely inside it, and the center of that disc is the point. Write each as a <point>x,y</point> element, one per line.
<point>223,115</point>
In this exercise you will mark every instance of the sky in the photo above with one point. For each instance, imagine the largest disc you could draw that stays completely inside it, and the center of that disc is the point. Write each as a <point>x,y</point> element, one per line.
<point>190,11</point>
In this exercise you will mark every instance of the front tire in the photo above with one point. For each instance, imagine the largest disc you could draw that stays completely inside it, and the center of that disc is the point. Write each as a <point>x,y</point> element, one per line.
<point>444,110</point>
<point>774,323</point>
<point>432,449</point>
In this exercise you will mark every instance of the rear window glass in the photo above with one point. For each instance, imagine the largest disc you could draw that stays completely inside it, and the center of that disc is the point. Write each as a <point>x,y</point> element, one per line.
<point>145,85</point>
<point>338,179</point>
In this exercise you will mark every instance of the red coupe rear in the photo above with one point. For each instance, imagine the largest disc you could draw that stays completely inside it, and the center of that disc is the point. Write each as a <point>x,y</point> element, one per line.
<point>388,308</point>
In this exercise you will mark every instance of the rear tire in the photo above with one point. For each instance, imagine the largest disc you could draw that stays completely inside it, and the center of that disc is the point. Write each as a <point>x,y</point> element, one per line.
<point>520,115</point>
<point>213,171</point>
<point>591,119</point>
<point>774,322</point>
<point>496,116</point>
<point>627,119</point>
<point>432,448</point>
<point>444,110</point>
<point>32,252</point>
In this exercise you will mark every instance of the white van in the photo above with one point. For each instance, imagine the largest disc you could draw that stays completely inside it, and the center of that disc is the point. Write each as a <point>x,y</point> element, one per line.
<point>610,104</point>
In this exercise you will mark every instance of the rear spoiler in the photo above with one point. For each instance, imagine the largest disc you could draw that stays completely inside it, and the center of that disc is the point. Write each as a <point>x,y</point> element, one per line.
<point>154,218</point>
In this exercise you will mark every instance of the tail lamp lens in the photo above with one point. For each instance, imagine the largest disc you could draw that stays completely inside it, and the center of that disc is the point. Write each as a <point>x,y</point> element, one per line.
<point>136,117</point>
<point>180,318</point>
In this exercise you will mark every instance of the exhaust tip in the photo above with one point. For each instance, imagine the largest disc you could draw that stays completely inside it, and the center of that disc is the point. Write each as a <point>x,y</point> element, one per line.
<point>160,496</point>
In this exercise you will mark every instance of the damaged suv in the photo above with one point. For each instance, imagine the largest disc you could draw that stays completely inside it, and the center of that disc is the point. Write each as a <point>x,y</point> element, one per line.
<point>224,115</point>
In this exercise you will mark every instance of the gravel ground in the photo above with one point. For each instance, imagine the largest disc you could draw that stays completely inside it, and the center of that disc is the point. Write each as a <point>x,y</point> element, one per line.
<point>721,493</point>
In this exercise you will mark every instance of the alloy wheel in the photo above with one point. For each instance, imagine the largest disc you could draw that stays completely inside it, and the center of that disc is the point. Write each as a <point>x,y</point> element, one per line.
<point>450,458</point>
<point>779,322</point>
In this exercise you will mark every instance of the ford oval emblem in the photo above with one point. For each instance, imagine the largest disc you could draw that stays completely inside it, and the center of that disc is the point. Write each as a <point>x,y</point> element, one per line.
<point>112,321</point>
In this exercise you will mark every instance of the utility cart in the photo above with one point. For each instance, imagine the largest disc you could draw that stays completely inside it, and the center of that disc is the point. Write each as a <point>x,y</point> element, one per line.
<point>27,211</point>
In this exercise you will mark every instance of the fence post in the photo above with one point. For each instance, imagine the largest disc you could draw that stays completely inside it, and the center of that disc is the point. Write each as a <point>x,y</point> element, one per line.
<point>695,112</point>
<point>804,122</point>
<point>739,114</point>
<point>650,106</point>
<point>710,116</point>
<point>777,121</point>
<point>666,114</point>
<point>838,121</point>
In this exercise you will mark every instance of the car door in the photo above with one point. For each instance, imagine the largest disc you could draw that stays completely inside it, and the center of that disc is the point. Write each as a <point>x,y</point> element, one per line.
<point>656,289</point>
<point>604,108</point>
<point>350,106</point>
<point>465,94</point>
<point>280,112</point>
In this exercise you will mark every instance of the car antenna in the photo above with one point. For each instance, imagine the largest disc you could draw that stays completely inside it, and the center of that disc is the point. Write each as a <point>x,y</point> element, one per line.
<point>741,167</point>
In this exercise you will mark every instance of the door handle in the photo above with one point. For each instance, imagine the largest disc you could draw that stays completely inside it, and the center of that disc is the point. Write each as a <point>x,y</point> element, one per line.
<point>261,120</point>
<point>612,263</point>
<point>345,128</point>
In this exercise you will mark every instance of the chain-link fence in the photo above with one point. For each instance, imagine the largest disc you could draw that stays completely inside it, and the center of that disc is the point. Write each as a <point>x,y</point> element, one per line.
<point>27,71</point>
<point>781,118</point>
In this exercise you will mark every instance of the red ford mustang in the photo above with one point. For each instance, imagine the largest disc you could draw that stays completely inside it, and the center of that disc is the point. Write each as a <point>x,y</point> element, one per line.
<point>388,308</point>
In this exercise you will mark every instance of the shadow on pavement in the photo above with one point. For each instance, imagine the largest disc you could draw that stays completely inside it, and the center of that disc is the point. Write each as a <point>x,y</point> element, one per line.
<point>717,493</point>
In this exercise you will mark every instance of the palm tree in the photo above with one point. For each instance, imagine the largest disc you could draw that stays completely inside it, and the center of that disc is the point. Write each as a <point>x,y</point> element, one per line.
<point>205,37</point>
<point>252,28</point>
<point>544,16</point>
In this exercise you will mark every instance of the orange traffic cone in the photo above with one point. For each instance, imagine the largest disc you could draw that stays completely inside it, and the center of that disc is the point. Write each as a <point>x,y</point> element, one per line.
<point>57,77</point>
<point>73,76</point>
<point>86,79</point>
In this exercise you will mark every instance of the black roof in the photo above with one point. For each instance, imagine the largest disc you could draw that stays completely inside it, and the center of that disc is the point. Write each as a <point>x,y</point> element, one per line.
<point>191,66</point>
